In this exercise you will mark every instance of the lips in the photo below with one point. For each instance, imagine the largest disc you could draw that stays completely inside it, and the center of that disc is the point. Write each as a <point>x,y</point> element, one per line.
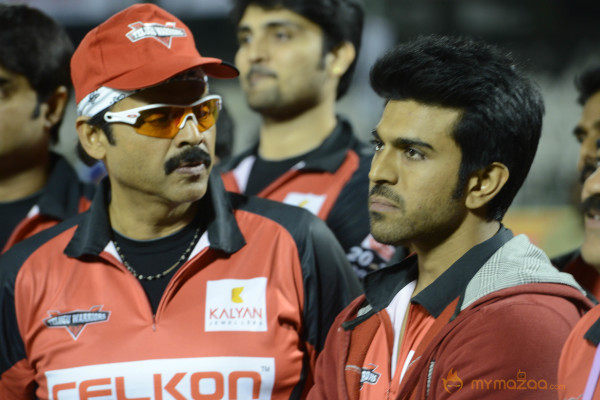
<point>591,211</point>
<point>381,204</point>
<point>384,199</point>
<point>258,73</point>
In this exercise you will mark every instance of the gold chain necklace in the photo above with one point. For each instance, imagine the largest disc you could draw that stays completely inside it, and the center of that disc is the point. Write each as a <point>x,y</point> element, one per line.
<point>179,261</point>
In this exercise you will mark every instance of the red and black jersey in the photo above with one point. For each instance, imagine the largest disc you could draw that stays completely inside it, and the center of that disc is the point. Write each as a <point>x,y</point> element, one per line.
<point>244,317</point>
<point>64,196</point>
<point>332,182</point>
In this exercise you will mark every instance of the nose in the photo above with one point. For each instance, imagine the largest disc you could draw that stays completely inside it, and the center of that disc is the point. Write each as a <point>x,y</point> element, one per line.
<point>587,152</point>
<point>383,168</point>
<point>591,185</point>
<point>189,134</point>
<point>257,50</point>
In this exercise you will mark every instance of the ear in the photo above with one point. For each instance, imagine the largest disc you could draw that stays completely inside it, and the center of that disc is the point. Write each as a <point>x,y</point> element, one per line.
<point>56,105</point>
<point>92,138</point>
<point>340,58</point>
<point>485,184</point>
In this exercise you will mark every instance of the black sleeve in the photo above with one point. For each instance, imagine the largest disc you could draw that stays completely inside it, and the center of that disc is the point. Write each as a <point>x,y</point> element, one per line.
<point>330,284</point>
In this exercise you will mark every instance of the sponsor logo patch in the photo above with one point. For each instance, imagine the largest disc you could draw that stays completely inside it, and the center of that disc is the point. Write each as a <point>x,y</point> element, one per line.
<point>310,201</point>
<point>75,321</point>
<point>183,378</point>
<point>161,33</point>
<point>236,305</point>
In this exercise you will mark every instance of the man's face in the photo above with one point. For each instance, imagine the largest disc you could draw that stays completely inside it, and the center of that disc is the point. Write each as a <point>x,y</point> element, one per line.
<point>587,133</point>
<point>414,174</point>
<point>23,137</point>
<point>280,58</point>
<point>590,197</point>
<point>172,171</point>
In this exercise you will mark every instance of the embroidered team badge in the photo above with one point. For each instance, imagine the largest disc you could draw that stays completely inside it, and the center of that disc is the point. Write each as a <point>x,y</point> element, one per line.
<point>162,33</point>
<point>368,375</point>
<point>75,321</point>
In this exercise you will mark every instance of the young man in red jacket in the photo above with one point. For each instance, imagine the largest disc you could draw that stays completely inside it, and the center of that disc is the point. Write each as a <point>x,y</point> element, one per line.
<point>38,188</point>
<point>475,313</point>
<point>296,59</point>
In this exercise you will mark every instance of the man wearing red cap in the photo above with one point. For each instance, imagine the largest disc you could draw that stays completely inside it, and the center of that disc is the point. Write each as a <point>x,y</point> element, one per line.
<point>168,287</point>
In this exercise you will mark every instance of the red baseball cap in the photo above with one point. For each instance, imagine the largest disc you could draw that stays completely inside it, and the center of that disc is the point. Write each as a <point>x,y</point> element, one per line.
<point>136,48</point>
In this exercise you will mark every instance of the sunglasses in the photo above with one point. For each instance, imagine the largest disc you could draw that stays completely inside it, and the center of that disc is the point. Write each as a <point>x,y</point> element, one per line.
<point>165,120</point>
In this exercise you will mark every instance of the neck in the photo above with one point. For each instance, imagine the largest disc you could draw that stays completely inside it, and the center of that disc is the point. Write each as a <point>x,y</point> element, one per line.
<point>154,220</point>
<point>281,139</point>
<point>434,261</point>
<point>18,183</point>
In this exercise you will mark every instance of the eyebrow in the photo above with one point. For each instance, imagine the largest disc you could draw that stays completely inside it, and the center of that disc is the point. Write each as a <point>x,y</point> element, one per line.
<point>404,142</point>
<point>580,130</point>
<point>271,24</point>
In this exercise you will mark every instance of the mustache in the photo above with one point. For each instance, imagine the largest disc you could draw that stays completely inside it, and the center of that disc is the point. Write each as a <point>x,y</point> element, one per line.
<point>586,171</point>
<point>260,70</point>
<point>384,191</point>
<point>193,155</point>
<point>589,204</point>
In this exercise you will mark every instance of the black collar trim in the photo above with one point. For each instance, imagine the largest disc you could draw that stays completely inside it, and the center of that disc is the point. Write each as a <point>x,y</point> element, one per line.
<point>94,232</point>
<point>453,282</point>
<point>382,285</point>
<point>593,334</point>
<point>63,191</point>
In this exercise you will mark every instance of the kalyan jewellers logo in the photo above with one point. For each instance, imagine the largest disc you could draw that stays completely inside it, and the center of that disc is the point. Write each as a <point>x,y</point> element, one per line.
<point>453,383</point>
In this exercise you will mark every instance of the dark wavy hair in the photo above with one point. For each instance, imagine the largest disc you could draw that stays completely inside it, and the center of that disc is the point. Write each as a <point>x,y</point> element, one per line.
<point>34,45</point>
<point>588,83</point>
<point>502,110</point>
<point>340,20</point>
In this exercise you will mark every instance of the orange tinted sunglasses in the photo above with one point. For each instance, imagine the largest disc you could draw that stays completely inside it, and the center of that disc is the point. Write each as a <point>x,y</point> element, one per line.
<point>165,120</point>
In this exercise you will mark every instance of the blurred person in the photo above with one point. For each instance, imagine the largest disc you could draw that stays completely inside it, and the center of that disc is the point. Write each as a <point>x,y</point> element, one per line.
<point>475,304</point>
<point>168,286</point>
<point>583,263</point>
<point>38,188</point>
<point>296,58</point>
<point>225,139</point>
<point>579,368</point>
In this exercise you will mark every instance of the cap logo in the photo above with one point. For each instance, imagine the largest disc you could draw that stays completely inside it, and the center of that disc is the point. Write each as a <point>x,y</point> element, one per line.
<point>162,33</point>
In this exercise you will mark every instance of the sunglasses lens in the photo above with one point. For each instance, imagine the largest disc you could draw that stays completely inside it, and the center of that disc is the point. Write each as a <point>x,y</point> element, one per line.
<point>164,122</point>
<point>207,113</point>
<point>159,122</point>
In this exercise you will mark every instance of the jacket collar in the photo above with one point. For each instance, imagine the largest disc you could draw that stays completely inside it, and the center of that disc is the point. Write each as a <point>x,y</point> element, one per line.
<point>327,157</point>
<point>94,231</point>
<point>63,191</point>
<point>382,286</point>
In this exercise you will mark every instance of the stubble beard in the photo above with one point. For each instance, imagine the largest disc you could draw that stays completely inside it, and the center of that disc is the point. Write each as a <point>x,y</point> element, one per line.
<point>430,226</point>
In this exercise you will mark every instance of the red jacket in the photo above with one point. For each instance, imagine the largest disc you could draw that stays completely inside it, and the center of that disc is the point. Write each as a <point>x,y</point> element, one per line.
<point>64,196</point>
<point>577,357</point>
<point>482,343</point>
<point>245,315</point>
